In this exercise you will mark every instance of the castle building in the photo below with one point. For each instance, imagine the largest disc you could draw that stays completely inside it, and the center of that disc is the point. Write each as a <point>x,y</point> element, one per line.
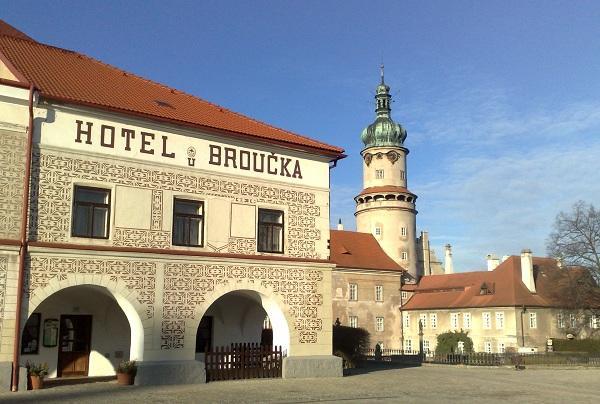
<point>138,222</point>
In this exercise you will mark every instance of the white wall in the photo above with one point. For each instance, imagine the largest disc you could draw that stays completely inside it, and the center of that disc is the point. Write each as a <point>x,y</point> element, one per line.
<point>110,328</point>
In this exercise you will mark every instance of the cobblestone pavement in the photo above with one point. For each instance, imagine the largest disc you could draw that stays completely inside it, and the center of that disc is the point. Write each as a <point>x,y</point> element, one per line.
<point>419,384</point>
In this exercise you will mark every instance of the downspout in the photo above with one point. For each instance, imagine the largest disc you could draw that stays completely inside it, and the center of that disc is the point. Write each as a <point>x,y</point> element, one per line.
<point>23,247</point>
<point>523,310</point>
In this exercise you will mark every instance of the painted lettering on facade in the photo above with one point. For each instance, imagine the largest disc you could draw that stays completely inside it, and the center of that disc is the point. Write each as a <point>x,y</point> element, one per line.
<point>241,159</point>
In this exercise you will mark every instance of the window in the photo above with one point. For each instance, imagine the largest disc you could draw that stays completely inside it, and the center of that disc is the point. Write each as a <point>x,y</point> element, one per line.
<point>402,175</point>
<point>379,324</point>
<point>353,320</point>
<point>560,320</point>
<point>573,320</point>
<point>379,174</point>
<point>487,320</point>
<point>404,296</point>
<point>408,345</point>
<point>487,347</point>
<point>454,321</point>
<point>423,320</point>
<point>403,231</point>
<point>425,345</point>
<point>270,231</point>
<point>379,293</point>
<point>353,291</point>
<point>188,219</point>
<point>378,231</point>
<point>499,320</point>
<point>30,341</point>
<point>594,321</point>
<point>532,320</point>
<point>461,346</point>
<point>501,347</point>
<point>467,321</point>
<point>433,320</point>
<point>91,212</point>
<point>406,320</point>
<point>404,255</point>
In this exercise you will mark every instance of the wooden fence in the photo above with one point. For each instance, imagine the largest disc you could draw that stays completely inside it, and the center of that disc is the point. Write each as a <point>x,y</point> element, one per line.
<point>243,361</point>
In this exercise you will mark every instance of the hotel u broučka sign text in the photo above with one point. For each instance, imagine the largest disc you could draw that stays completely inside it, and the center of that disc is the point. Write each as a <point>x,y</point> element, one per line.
<point>130,140</point>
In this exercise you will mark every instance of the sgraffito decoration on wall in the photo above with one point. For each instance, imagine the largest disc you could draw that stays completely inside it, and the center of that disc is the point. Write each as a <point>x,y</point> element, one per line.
<point>3,274</point>
<point>53,174</point>
<point>138,275</point>
<point>12,161</point>
<point>187,284</point>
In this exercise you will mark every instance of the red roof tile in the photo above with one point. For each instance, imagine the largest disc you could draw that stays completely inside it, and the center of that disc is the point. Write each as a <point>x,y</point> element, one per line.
<point>351,249</point>
<point>71,77</point>
<point>462,290</point>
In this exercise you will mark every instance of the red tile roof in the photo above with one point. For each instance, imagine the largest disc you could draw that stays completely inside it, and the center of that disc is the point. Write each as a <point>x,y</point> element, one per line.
<point>351,249</point>
<point>384,189</point>
<point>462,290</point>
<point>71,77</point>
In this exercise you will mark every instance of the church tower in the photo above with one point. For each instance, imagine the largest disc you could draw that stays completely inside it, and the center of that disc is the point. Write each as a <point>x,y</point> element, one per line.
<point>385,207</point>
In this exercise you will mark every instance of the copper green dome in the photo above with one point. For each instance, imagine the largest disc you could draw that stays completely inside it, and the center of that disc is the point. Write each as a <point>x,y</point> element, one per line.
<point>384,131</point>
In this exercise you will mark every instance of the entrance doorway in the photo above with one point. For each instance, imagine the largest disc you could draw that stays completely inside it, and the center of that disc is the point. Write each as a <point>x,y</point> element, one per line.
<point>75,345</point>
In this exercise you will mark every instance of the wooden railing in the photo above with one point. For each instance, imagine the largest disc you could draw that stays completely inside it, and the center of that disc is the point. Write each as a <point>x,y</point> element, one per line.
<point>243,361</point>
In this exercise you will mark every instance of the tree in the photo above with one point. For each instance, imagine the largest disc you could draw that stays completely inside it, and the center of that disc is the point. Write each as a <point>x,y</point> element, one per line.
<point>448,342</point>
<point>575,240</point>
<point>575,243</point>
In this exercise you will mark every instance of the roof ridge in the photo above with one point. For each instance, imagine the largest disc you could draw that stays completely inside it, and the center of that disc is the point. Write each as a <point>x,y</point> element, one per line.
<point>173,90</point>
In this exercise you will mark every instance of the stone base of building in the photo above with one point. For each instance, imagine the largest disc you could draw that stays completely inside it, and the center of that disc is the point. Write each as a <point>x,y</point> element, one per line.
<point>170,372</point>
<point>312,366</point>
<point>6,375</point>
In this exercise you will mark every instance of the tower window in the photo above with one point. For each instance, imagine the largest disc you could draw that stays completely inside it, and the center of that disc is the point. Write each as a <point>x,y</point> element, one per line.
<point>379,174</point>
<point>378,231</point>
<point>402,175</point>
<point>404,255</point>
<point>403,231</point>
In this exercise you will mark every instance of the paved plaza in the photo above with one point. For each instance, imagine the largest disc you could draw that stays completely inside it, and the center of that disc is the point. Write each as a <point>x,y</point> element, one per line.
<point>419,384</point>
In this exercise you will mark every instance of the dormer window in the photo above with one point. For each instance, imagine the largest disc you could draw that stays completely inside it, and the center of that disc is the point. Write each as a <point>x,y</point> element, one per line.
<point>485,289</point>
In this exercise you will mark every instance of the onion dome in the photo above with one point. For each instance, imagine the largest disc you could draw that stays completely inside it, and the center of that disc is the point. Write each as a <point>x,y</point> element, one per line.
<point>384,131</point>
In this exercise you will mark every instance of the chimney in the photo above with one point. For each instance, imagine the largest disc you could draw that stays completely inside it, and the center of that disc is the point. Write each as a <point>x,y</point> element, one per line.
<point>527,269</point>
<point>504,258</point>
<point>340,226</point>
<point>448,266</point>
<point>492,261</point>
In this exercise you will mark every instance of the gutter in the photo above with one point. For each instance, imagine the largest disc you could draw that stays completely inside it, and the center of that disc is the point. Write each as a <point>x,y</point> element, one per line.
<point>23,246</point>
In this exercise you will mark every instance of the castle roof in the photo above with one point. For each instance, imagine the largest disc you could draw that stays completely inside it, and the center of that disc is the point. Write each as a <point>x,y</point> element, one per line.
<point>71,77</point>
<point>351,249</point>
<point>501,287</point>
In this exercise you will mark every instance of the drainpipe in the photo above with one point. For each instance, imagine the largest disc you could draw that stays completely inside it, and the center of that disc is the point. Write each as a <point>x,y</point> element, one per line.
<point>23,246</point>
<point>523,310</point>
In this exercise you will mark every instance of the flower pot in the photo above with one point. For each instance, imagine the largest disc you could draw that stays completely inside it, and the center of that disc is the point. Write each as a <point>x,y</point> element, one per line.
<point>37,382</point>
<point>125,379</point>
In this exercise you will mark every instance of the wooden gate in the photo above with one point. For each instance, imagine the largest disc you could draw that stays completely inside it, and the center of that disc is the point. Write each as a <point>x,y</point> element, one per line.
<point>243,361</point>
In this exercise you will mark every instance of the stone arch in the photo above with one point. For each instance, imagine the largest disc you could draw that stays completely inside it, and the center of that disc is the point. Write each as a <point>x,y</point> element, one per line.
<point>270,301</point>
<point>126,299</point>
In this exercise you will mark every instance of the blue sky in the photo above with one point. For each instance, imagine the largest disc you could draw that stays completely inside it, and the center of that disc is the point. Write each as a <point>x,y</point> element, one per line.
<point>501,100</point>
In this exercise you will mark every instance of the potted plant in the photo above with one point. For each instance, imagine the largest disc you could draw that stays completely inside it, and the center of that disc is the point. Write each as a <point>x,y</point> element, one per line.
<point>36,373</point>
<point>126,373</point>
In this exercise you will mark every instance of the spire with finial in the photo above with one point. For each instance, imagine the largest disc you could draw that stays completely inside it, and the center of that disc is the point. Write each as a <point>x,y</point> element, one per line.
<point>382,68</point>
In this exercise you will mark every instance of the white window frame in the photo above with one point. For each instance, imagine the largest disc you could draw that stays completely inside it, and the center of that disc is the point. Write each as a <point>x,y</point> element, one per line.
<point>378,293</point>
<point>499,320</point>
<point>426,346</point>
<point>594,321</point>
<point>454,321</point>
<point>407,345</point>
<point>560,320</point>
<point>501,347</point>
<point>378,231</point>
<point>404,255</point>
<point>404,296</point>
<point>433,320</point>
<point>379,174</point>
<point>486,320</point>
<point>352,292</point>
<point>460,347</point>
<point>353,321</point>
<point>467,321</point>
<point>379,324</point>
<point>532,320</point>
<point>487,347</point>
<point>403,231</point>
<point>406,320</point>
<point>573,320</point>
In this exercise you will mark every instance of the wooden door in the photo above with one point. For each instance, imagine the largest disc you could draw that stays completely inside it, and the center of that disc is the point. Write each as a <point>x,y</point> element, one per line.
<point>74,347</point>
